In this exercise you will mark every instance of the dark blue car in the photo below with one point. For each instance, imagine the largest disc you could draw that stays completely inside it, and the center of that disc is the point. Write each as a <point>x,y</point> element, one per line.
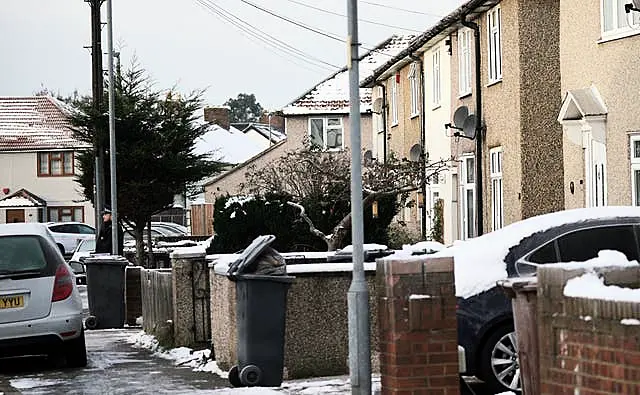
<point>485,320</point>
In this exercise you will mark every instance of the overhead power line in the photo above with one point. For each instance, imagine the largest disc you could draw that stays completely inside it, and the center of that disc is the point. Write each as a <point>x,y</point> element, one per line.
<point>253,33</point>
<point>361,20</point>
<point>299,24</point>
<point>400,9</point>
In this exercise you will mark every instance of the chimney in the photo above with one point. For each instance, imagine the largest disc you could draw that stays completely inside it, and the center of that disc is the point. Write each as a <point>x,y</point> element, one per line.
<point>277,120</point>
<point>218,115</point>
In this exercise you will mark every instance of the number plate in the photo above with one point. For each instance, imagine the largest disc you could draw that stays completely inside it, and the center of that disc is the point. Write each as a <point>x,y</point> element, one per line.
<point>11,302</point>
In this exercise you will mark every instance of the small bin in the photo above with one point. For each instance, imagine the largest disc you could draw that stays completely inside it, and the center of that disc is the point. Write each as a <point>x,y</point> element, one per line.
<point>261,297</point>
<point>524,299</point>
<point>105,291</point>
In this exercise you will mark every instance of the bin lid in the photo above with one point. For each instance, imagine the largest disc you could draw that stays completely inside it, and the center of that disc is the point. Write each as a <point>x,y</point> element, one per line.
<point>262,277</point>
<point>518,284</point>
<point>105,259</point>
<point>253,251</point>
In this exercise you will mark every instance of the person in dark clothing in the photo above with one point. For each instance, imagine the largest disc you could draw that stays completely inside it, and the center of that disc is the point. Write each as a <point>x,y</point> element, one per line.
<point>103,242</point>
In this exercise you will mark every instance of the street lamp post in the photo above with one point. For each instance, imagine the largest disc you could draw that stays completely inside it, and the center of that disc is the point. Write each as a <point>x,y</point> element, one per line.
<point>358,295</point>
<point>112,135</point>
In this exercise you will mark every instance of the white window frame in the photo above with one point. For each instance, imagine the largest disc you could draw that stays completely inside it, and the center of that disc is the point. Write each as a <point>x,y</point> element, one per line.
<point>494,47</point>
<point>615,8</point>
<point>464,61</point>
<point>394,101</point>
<point>467,225</point>
<point>414,83</point>
<point>436,89</point>
<point>497,192</point>
<point>635,166</point>
<point>325,130</point>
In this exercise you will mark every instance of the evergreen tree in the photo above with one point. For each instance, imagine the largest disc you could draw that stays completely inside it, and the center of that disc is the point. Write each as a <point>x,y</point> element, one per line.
<point>155,136</point>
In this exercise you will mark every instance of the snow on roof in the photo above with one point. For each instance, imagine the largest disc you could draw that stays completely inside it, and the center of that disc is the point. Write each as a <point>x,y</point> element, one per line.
<point>332,94</point>
<point>230,146</point>
<point>479,262</point>
<point>34,123</point>
<point>17,201</point>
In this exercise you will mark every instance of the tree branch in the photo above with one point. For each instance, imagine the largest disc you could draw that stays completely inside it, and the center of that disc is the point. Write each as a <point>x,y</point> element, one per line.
<point>312,228</point>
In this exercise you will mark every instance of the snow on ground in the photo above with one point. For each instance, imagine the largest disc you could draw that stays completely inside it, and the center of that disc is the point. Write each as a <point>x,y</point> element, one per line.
<point>198,360</point>
<point>479,262</point>
<point>28,383</point>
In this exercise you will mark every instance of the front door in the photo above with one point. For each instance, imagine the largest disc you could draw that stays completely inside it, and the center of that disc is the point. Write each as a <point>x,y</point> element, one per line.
<point>15,216</point>
<point>596,171</point>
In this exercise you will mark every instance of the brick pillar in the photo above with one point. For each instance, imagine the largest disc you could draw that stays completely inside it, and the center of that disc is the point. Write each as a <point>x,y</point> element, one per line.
<point>417,326</point>
<point>133,294</point>
<point>191,299</point>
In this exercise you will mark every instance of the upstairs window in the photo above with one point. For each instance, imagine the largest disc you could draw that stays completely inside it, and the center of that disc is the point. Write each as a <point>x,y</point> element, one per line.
<point>464,62</point>
<point>494,23</point>
<point>394,101</point>
<point>414,81</point>
<point>616,20</point>
<point>55,164</point>
<point>326,133</point>
<point>436,89</point>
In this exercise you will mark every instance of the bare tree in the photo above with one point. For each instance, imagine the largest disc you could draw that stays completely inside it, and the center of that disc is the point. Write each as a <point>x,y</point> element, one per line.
<point>315,174</point>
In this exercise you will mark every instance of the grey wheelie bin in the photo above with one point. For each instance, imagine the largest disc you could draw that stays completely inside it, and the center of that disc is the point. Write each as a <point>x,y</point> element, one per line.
<point>105,291</point>
<point>261,315</point>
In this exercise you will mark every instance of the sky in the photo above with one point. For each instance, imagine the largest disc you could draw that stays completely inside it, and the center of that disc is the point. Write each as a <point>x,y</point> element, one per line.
<point>189,45</point>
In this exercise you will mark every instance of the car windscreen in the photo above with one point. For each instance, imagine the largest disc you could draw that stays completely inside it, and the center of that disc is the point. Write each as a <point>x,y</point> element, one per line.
<point>21,254</point>
<point>87,245</point>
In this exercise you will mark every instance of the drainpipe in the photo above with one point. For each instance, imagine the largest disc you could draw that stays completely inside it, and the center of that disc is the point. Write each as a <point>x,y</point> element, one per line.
<point>478,126</point>
<point>383,111</point>
<point>423,144</point>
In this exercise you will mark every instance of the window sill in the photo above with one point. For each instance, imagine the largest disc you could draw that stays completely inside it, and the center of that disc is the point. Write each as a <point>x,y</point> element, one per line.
<point>464,95</point>
<point>606,37</point>
<point>436,106</point>
<point>414,115</point>
<point>496,82</point>
<point>393,125</point>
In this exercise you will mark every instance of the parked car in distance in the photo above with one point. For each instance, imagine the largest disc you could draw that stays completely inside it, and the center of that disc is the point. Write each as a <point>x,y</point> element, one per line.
<point>84,249</point>
<point>485,317</point>
<point>40,306</point>
<point>69,234</point>
<point>178,229</point>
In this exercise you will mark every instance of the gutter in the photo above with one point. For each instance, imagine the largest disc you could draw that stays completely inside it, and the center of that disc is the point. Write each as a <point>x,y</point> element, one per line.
<point>478,127</point>
<point>423,144</point>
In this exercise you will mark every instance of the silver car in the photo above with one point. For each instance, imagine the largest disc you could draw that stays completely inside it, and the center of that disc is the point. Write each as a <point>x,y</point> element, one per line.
<point>40,306</point>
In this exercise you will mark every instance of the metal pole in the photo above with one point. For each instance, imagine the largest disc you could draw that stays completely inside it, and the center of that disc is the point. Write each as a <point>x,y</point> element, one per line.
<point>112,136</point>
<point>96,80</point>
<point>358,295</point>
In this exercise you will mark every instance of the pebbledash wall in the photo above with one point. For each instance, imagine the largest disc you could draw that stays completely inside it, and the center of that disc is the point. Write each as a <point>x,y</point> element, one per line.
<point>588,346</point>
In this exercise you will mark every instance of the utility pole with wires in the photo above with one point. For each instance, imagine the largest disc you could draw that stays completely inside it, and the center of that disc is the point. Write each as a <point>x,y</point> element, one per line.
<point>358,295</point>
<point>97,90</point>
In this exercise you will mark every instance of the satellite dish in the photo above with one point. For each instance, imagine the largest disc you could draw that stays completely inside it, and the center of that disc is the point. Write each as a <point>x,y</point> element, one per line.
<point>469,127</point>
<point>415,153</point>
<point>377,105</point>
<point>459,116</point>
<point>368,156</point>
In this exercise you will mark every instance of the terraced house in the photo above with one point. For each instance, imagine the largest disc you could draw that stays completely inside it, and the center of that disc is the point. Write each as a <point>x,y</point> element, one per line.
<point>37,162</point>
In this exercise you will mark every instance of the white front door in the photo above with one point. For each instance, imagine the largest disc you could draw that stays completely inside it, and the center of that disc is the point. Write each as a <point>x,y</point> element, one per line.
<point>596,171</point>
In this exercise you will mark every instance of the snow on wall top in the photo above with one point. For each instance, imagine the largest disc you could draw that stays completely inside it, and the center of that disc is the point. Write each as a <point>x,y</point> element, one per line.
<point>479,262</point>
<point>35,123</point>
<point>332,94</point>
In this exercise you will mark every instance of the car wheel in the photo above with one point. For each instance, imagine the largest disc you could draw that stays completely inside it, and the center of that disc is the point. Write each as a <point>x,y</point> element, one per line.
<point>499,364</point>
<point>75,352</point>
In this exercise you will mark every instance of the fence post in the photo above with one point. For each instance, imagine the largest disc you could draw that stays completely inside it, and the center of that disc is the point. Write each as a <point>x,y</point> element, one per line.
<point>191,299</point>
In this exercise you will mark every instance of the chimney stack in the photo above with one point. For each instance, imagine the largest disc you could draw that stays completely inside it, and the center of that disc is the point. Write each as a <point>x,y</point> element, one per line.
<point>218,115</point>
<point>277,120</point>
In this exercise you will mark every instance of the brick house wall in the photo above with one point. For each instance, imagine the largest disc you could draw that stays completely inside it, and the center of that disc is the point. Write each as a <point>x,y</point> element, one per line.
<point>584,346</point>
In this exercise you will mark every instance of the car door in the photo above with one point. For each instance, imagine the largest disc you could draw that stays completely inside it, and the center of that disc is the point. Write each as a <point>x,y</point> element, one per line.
<point>582,245</point>
<point>65,234</point>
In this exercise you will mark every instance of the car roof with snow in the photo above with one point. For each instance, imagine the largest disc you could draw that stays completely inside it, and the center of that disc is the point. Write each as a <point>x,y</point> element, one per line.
<point>481,261</point>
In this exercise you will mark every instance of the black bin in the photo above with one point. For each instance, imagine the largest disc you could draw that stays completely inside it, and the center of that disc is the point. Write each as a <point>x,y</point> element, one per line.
<point>261,304</point>
<point>261,315</point>
<point>105,291</point>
